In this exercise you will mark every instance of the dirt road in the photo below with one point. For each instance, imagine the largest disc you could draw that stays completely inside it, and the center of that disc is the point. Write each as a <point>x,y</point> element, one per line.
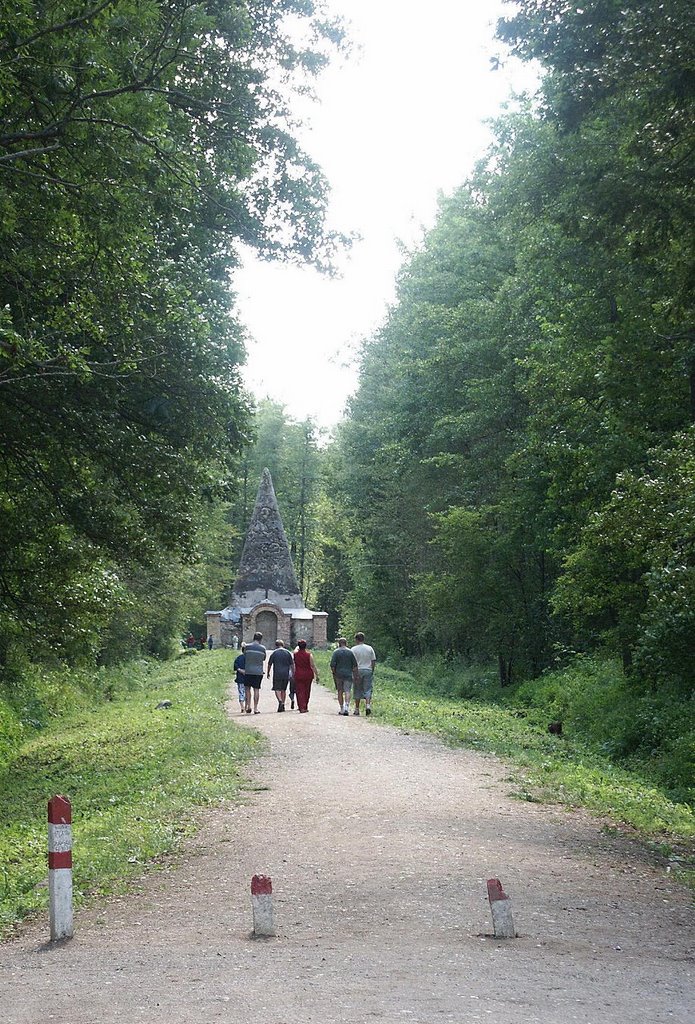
<point>379,845</point>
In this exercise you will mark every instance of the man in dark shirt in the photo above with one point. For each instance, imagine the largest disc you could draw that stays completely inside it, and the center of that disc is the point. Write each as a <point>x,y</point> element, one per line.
<point>344,669</point>
<point>281,663</point>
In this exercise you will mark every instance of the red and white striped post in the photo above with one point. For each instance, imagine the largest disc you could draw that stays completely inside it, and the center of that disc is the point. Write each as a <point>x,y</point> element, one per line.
<point>501,907</point>
<point>60,867</point>
<point>262,905</point>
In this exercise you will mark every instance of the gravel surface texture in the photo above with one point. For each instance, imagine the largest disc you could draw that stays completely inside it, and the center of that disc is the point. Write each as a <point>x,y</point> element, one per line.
<point>379,845</point>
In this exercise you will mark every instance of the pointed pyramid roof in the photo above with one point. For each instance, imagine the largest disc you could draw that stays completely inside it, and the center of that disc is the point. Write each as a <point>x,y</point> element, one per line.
<point>266,570</point>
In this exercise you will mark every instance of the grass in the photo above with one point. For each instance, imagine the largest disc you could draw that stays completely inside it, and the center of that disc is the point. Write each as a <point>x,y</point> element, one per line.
<point>549,768</point>
<point>132,773</point>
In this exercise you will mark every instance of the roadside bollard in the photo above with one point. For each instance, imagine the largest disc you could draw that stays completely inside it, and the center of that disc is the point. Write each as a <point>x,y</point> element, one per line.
<point>60,867</point>
<point>262,904</point>
<point>501,907</point>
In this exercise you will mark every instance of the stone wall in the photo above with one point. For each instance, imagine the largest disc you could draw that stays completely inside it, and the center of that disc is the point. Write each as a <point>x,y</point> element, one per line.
<point>286,628</point>
<point>302,629</point>
<point>320,627</point>
<point>229,630</point>
<point>214,623</point>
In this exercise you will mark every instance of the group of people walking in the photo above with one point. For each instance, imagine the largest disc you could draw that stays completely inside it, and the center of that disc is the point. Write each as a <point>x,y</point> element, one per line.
<point>295,671</point>
<point>353,673</point>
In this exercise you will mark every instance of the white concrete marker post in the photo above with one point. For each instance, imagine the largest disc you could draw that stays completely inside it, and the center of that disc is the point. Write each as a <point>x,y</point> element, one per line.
<point>60,867</point>
<point>501,907</point>
<point>262,904</point>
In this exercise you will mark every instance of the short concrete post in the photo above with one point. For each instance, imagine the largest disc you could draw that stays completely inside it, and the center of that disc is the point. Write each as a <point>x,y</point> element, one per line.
<point>262,904</point>
<point>60,867</point>
<point>501,907</point>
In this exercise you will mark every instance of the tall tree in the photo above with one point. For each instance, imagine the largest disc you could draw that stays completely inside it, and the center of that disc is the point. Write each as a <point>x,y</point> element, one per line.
<point>139,144</point>
<point>540,348</point>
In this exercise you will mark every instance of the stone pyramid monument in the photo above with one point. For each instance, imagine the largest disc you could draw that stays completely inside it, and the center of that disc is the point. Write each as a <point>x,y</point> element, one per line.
<point>266,597</point>
<point>266,570</point>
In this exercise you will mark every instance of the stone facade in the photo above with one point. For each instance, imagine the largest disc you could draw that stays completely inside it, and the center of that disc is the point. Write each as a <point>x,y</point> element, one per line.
<point>266,596</point>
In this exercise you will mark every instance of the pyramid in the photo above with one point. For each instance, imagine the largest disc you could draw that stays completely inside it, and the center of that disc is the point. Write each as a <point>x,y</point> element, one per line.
<point>266,596</point>
<point>266,571</point>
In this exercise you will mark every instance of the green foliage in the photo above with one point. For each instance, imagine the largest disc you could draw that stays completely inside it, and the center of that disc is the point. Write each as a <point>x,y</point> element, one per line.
<point>140,144</point>
<point>518,455</point>
<point>632,575</point>
<point>131,772</point>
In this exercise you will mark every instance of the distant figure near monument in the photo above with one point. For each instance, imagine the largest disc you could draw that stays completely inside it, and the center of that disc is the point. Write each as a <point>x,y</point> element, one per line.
<point>266,596</point>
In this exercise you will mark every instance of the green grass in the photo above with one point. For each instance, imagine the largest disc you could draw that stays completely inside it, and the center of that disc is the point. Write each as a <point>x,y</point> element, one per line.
<point>132,773</point>
<point>548,768</point>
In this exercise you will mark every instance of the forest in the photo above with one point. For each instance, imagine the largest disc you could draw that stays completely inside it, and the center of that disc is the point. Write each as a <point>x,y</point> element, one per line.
<point>509,499</point>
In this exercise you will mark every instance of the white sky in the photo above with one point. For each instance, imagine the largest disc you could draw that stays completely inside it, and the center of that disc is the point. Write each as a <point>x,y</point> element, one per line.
<point>397,123</point>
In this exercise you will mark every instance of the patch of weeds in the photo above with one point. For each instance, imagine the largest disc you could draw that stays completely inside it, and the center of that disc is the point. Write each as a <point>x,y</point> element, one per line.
<point>529,798</point>
<point>684,875</point>
<point>132,774</point>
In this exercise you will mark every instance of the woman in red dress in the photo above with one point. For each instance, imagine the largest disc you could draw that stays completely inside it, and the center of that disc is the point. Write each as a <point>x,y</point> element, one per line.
<point>304,672</point>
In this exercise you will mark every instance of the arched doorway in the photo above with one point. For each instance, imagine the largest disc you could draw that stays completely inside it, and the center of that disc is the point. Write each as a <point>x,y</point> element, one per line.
<point>267,624</point>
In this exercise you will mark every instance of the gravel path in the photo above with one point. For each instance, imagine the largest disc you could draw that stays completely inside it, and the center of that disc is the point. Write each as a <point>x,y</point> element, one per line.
<point>379,845</point>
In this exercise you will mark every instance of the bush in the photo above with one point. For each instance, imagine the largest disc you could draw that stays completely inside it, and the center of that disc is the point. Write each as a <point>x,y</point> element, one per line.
<point>652,732</point>
<point>452,677</point>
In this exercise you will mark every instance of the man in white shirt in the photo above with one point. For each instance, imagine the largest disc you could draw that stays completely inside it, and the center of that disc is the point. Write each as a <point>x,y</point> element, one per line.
<point>366,660</point>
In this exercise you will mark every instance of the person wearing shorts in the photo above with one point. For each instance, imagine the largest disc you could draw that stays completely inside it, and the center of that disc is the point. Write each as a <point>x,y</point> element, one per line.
<point>253,674</point>
<point>240,670</point>
<point>282,664</point>
<point>366,662</point>
<point>344,669</point>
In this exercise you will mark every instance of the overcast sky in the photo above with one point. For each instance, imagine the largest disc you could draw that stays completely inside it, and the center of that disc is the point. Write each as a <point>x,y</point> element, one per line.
<point>400,121</point>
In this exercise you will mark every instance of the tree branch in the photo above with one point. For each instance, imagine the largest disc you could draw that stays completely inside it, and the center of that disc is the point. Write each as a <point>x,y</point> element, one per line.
<point>57,28</point>
<point>27,153</point>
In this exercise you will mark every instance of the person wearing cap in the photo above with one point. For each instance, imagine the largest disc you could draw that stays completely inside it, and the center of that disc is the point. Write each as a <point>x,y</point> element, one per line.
<point>366,662</point>
<point>305,672</point>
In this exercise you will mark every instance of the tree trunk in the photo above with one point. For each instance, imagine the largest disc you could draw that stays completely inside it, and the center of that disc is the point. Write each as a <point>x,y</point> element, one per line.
<point>505,670</point>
